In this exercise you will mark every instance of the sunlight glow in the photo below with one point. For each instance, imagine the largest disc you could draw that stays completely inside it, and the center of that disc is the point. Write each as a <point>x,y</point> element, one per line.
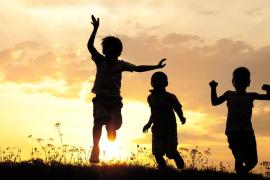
<point>16,54</point>
<point>195,116</point>
<point>109,150</point>
<point>85,89</point>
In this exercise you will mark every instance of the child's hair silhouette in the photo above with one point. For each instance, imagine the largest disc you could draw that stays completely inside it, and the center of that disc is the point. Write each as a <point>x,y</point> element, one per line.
<point>112,46</point>
<point>159,80</point>
<point>241,78</point>
<point>239,130</point>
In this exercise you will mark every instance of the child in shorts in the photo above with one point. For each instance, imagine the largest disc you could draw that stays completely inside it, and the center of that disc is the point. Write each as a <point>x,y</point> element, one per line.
<point>239,131</point>
<point>108,102</point>
<point>163,121</point>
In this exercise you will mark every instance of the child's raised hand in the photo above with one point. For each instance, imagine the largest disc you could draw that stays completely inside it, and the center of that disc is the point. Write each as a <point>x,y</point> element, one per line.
<point>95,21</point>
<point>160,64</point>
<point>183,120</point>
<point>145,128</point>
<point>213,84</point>
<point>266,87</point>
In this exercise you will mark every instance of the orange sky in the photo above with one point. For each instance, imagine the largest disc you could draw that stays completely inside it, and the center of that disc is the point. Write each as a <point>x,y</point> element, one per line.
<point>46,73</point>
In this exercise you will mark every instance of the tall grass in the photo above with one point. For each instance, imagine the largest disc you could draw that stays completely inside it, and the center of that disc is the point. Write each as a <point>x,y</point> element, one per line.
<point>51,152</point>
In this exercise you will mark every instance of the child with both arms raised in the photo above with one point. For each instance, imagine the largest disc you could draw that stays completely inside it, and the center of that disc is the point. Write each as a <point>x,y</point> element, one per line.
<point>239,131</point>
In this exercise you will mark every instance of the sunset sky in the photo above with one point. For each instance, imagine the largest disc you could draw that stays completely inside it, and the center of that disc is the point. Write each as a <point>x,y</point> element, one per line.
<point>46,72</point>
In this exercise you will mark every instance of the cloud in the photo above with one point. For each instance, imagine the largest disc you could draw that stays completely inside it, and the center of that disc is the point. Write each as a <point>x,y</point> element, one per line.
<point>186,138</point>
<point>261,119</point>
<point>35,63</point>
<point>177,38</point>
<point>57,3</point>
<point>208,12</point>
<point>254,11</point>
<point>191,65</point>
<point>197,138</point>
<point>54,2</point>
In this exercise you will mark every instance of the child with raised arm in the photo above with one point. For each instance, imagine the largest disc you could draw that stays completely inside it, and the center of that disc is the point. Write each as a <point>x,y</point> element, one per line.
<point>108,102</point>
<point>164,129</point>
<point>239,131</point>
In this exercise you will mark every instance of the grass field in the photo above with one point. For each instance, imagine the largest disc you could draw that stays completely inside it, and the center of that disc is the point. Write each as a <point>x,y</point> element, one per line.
<point>50,160</point>
<point>29,170</point>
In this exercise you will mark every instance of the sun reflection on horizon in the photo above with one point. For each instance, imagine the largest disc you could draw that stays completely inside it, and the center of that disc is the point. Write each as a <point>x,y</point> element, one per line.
<point>110,150</point>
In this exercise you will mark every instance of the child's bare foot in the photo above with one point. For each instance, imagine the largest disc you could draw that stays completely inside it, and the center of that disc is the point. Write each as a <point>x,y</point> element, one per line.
<point>179,161</point>
<point>94,158</point>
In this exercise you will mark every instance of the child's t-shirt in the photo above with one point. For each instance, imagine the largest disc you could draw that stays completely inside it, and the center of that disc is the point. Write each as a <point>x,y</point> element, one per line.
<point>109,75</point>
<point>239,112</point>
<point>162,112</point>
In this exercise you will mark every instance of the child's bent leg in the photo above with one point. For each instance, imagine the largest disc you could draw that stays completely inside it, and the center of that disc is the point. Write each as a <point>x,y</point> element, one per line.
<point>250,152</point>
<point>115,121</point>
<point>179,161</point>
<point>111,132</point>
<point>160,161</point>
<point>250,165</point>
<point>251,159</point>
<point>236,143</point>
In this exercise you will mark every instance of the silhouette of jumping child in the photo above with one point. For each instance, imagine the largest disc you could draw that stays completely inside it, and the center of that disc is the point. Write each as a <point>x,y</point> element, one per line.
<point>239,131</point>
<point>164,129</point>
<point>108,103</point>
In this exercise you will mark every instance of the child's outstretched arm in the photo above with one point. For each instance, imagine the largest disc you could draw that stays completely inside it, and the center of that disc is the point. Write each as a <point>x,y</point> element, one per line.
<point>90,44</point>
<point>144,68</point>
<point>215,100</point>
<point>148,125</point>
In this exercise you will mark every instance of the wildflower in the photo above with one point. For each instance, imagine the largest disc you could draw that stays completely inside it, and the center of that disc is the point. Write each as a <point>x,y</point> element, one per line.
<point>39,139</point>
<point>50,145</point>
<point>58,124</point>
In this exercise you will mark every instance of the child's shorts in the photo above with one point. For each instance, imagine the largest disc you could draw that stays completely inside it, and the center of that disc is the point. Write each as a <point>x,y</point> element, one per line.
<point>243,145</point>
<point>107,111</point>
<point>167,144</point>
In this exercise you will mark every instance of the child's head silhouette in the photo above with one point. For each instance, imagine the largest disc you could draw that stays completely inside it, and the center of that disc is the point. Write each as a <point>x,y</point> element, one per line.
<point>159,80</point>
<point>241,78</point>
<point>112,47</point>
